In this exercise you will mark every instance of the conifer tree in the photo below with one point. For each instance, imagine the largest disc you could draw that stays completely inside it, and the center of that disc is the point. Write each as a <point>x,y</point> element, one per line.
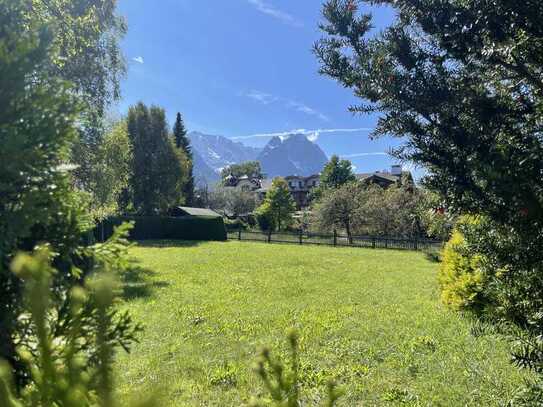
<point>278,206</point>
<point>183,142</point>
<point>39,207</point>
<point>158,168</point>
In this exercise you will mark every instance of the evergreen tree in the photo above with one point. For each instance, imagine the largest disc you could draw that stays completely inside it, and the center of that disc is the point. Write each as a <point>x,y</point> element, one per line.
<point>335,174</point>
<point>461,82</point>
<point>182,142</point>
<point>38,205</point>
<point>158,168</point>
<point>278,206</point>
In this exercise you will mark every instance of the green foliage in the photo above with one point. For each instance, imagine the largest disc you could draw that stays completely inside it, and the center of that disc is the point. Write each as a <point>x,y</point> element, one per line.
<point>371,210</point>
<point>394,211</point>
<point>232,201</point>
<point>278,206</point>
<point>461,82</point>
<point>112,171</point>
<point>250,169</point>
<point>36,201</point>
<point>284,385</point>
<point>461,277</point>
<point>61,370</point>
<point>177,228</point>
<point>335,174</point>
<point>182,142</point>
<point>159,169</point>
<point>340,208</point>
<point>85,52</point>
<point>38,205</point>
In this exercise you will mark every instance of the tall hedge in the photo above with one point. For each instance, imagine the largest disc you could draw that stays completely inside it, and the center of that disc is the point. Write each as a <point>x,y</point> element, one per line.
<point>164,227</point>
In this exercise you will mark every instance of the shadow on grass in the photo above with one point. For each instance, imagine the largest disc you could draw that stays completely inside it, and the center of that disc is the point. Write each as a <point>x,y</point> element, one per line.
<point>137,282</point>
<point>170,243</point>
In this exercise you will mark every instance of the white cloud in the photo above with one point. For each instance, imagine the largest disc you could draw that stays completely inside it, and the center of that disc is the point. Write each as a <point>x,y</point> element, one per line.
<point>358,155</point>
<point>138,59</point>
<point>312,135</point>
<point>261,97</point>
<point>300,107</point>
<point>268,9</point>
<point>267,98</point>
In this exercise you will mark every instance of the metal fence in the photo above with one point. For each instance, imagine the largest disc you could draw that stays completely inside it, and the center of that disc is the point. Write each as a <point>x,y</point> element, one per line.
<point>335,239</point>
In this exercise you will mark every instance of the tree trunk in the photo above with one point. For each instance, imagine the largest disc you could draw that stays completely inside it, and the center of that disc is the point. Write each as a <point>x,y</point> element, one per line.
<point>348,230</point>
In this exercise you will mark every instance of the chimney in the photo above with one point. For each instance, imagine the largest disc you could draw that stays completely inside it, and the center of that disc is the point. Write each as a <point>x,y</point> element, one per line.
<point>396,169</point>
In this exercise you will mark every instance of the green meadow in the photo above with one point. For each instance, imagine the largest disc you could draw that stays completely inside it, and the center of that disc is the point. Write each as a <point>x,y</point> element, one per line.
<point>369,319</point>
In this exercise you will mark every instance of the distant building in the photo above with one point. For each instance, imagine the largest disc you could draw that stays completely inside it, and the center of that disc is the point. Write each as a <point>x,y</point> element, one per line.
<point>386,178</point>
<point>299,188</point>
<point>244,183</point>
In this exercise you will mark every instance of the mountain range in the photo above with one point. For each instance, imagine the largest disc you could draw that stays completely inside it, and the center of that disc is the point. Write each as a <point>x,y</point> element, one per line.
<point>290,155</point>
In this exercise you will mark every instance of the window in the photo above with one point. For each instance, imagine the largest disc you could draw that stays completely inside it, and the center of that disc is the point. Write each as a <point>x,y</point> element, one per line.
<point>300,184</point>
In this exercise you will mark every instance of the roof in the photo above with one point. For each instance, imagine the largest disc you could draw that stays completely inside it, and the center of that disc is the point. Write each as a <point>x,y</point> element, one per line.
<point>197,211</point>
<point>382,175</point>
<point>302,176</point>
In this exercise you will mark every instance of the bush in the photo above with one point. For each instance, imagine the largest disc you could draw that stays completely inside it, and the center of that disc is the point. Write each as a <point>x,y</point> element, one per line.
<point>163,227</point>
<point>461,277</point>
<point>235,224</point>
<point>264,220</point>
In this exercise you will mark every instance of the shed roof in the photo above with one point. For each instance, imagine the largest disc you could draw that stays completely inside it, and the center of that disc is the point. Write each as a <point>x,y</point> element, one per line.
<point>197,211</point>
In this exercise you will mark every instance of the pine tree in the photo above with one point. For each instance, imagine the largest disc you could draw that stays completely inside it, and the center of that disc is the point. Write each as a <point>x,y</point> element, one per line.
<point>158,168</point>
<point>182,142</point>
<point>278,206</point>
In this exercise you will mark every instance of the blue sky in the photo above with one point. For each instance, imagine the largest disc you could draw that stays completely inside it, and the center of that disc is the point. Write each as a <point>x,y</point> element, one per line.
<point>241,68</point>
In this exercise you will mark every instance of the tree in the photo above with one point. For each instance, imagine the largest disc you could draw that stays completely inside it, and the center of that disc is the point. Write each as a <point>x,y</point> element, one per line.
<point>112,171</point>
<point>250,169</point>
<point>461,82</point>
<point>278,206</point>
<point>232,201</point>
<point>39,210</point>
<point>394,211</point>
<point>85,36</point>
<point>335,174</point>
<point>158,168</point>
<point>182,142</point>
<point>340,208</point>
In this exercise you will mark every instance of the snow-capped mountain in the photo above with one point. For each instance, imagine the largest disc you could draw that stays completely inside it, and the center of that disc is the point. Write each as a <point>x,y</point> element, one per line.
<point>292,155</point>
<point>219,152</point>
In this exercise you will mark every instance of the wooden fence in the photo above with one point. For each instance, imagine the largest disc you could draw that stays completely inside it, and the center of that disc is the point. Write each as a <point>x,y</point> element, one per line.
<point>335,239</point>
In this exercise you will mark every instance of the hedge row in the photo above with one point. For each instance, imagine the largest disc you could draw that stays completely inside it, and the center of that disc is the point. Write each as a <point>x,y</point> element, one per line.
<point>162,227</point>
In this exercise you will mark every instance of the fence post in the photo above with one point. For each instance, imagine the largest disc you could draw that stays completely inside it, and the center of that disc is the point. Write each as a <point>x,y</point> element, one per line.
<point>301,236</point>
<point>335,237</point>
<point>239,234</point>
<point>269,236</point>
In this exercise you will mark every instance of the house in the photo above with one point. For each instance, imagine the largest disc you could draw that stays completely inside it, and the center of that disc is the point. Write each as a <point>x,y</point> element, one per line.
<point>244,183</point>
<point>386,178</point>
<point>299,188</point>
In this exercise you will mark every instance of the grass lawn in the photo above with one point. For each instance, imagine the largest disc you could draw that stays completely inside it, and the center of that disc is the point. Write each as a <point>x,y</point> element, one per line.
<point>371,319</point>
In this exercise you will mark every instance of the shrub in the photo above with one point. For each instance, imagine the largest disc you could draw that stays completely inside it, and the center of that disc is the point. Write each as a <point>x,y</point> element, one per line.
<point>235,224</point>
<point>264,220</point>
<point>163,227</point>
<point>461,277</point>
